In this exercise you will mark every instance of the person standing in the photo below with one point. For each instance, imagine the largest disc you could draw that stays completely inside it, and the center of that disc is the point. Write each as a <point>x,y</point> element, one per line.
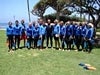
<point>68,35</point>
<point>89,37</point>
<point>17,34</point>
<point>56,33</point>
<point>84,32</point>
<point>23,32</point>
<point>9,33</point>
<point>42,32</point>
<point>29,33</point>
<point>35,35</point>
<point>33,26</point>
<point>49,33</point>
<point>62,33</point>
<point>78,36</point>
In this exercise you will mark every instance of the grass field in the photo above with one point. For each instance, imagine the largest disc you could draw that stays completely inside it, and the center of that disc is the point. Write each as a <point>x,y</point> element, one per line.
<point>46,62</point>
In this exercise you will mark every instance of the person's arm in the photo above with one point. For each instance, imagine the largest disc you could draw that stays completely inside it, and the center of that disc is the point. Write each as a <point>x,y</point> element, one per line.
<point>64,31</point>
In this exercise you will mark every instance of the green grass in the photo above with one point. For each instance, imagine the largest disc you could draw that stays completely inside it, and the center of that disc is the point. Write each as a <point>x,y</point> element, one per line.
<point>98,30</point>
<point>47,62</point>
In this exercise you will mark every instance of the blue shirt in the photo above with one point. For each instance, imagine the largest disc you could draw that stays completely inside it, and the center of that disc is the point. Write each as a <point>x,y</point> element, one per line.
<point>78,31</point>
<point>23,29</point>
<point>36,32</point>
<point>42,30</point>
<point>89,34</point>
<point>29,31</point>
<point>62,30</point>
<point>69,30</point>
<point>17,30</point>
<point>84,31</point>
<point>9,30</point>
<point>56,29</point>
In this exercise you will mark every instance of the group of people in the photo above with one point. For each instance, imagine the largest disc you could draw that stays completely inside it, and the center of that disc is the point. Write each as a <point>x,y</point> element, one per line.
<point>68,35</point>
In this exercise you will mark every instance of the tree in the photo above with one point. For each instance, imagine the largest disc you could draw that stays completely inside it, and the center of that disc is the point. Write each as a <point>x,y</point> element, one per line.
<point>42,5</point>
<point>92,7</point>
<point>40,8</point>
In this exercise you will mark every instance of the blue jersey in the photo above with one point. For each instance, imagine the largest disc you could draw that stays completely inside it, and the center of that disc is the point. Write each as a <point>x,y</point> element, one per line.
<point>74,29</point>
<point>78,31</point>
<point>56,29</point>
<point>69,30</point>
<point>17,30</point>
<point>62,30</point>
<point>42,30</point>
<point>9,30</point>
<point>89,34</point>
<point>36,32</point>
<point>29,31</point>
<point>84,31</point>
<point>23,29</point>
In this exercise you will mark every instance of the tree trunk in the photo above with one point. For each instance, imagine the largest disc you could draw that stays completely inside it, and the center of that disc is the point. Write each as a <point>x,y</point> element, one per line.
<point>58,15</point>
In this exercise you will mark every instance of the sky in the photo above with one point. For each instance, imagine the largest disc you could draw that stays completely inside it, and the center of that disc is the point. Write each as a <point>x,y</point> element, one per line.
<point>11,10</point>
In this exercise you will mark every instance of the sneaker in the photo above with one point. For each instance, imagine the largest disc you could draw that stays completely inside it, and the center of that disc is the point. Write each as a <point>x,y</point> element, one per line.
<point>76,50</point>
<point>68,50</point>
<point>63,50</point>
<point>59,49</point>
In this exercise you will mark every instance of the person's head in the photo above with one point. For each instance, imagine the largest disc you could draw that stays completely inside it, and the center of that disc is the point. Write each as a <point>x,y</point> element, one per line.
<point>71,22</point>
<point>30,24</point>
<point>67,23</point>
<point>16,22</point>
<point>74,22</point>
<point>56,21</point>
<point>61,23</point>
<point>49,21</point>
<point>10,23</point>
<point>34,22</point>
<point>80,24</point>
<point>90,25</point>
<point>41,21</point>
<point>22,21</point>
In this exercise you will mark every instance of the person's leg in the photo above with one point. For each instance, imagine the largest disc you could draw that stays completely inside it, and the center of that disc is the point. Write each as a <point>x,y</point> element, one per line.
<point>15,42</point>
<point>70,42</point>
<point>77,44</point>
<point>18,43</point>
<point>36,42</point>
<point>67,42</point>
<point>8,40</point>
<point>51,42</point>
<point>24,42</point>
<point>29,42</point>
<point>63,43</point>
<point>11,41</point>
<point>55,42</point>
<point>47,41</point>
<point>61,40</point>
<point>58,42</point>
<point>90,46</point>
<point>43,40</point>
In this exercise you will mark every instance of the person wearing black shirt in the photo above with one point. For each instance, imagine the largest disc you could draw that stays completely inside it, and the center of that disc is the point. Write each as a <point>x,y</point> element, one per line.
<point>49,30</point>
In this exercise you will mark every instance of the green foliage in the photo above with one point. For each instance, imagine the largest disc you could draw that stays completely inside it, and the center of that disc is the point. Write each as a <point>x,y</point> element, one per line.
<point>62,18</point>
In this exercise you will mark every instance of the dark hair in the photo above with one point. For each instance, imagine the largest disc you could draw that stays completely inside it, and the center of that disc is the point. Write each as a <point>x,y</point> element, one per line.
<point>16,21</point>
